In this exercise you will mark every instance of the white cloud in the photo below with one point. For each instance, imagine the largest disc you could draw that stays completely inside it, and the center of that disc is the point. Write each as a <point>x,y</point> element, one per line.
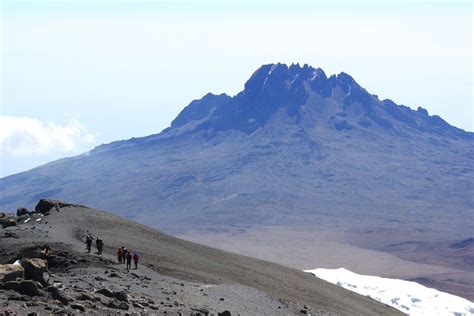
<point>26,136</point>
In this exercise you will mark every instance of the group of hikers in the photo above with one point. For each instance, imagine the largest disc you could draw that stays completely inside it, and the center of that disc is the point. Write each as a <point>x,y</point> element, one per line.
<point>99,243</point>
<point>123,254</point>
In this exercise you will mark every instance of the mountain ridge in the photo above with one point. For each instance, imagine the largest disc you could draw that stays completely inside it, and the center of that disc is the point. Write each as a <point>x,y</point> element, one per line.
<point>291,81</point>
<point>204,108</point>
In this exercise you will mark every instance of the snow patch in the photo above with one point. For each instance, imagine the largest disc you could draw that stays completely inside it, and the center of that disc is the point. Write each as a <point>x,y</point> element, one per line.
<point>271,69</point>
<point>409,297</point>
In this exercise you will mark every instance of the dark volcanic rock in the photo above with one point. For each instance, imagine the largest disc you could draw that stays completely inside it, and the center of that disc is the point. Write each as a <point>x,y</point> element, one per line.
<point>84,297</point>
<point>114,275</point>
<point>121,296</point>
<point>57,294</point>
<point>25,287</point>
<point>105,292</point>
<point>21,211</point>
<point>35,269</point>
<point>46,205</point>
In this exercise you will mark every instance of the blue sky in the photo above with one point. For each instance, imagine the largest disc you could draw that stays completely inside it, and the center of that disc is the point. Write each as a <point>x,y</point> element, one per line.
<point>75,74</point>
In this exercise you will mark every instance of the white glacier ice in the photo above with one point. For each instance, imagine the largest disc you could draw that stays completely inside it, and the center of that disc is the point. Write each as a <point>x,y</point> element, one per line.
<point>409,297</point>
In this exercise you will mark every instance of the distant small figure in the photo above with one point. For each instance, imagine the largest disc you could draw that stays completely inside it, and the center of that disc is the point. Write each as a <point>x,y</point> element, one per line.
<point>119,255</point>
<point>124,254</point>
<point>129,260</point>
<point>89,243</point>
<point>46,250</point>
<point>100,245</point>
<point>135,259</point>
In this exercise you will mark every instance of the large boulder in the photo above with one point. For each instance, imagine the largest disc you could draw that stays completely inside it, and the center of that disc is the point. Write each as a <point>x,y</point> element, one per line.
<point>105,292</point>
<point>46,205</point>
<point>35,269</point>
<point>121,296</point>
<point>21,211</point>
<point>25,287</point>
<point>10,272</point>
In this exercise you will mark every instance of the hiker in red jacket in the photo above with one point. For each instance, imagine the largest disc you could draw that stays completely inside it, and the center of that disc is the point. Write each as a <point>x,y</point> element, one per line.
<point>119,255</point>
<point>135,259</point>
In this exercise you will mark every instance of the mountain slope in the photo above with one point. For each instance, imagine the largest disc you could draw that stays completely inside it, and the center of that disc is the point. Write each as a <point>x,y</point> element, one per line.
<point>295,149</point>
<point>204,266</point>
<point>291,138</point>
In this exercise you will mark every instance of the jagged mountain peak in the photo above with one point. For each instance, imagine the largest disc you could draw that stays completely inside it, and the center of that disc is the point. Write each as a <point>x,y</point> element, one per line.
<point>279,74</point>
<point>307,95</point>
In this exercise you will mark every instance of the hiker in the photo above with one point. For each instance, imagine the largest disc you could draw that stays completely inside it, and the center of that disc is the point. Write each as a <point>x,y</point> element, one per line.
<point>129,260</point>
<point>119,255</point>
<point>124,254</point>
<point>99,244</point>
<point>46,250</point>
<point>135,259</point>
<point>89,243</point>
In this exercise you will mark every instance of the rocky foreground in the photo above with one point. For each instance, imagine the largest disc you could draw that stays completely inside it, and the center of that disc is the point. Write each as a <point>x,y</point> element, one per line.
<point>70,280</point>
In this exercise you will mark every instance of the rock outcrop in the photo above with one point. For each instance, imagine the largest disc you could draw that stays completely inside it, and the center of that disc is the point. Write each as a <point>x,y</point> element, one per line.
<point>21,211</point>
<point>35,269</point>
<point>11,272</point>
<point>46,205</point>
<point>25,287</point>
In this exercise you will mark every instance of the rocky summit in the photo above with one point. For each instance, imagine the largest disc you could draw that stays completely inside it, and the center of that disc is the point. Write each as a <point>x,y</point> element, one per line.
<point>298,151</point>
